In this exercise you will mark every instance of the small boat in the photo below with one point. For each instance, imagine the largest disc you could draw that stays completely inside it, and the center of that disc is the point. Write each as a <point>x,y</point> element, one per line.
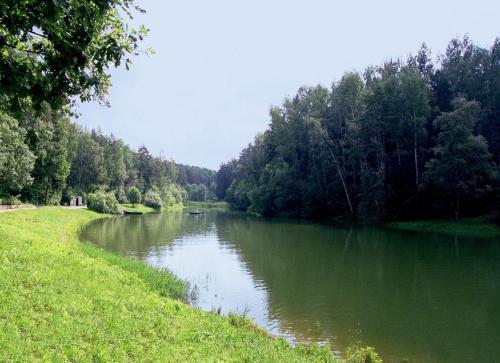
<point>196,212</point>
<point>132,212</point>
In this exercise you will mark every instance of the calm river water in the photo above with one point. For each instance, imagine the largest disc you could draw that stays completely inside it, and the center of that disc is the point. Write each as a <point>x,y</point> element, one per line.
<point>415,297</point>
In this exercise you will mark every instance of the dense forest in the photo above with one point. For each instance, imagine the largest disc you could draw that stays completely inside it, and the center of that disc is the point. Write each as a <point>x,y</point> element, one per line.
<point>412,138</point>
<point>46,159</point>
<point>53,54</point>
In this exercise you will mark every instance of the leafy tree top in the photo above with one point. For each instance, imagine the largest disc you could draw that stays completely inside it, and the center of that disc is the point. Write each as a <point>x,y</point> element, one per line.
<point>54,50</point>
<point>134,195</point>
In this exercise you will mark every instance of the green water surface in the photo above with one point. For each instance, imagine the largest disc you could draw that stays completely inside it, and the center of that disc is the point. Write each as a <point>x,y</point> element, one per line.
<point>415,297</point>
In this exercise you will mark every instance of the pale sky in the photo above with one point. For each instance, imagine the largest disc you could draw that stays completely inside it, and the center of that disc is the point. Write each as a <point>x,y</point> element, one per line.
<point>220,65</point>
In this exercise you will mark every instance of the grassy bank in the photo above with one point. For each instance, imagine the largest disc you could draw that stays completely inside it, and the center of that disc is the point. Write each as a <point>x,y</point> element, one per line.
<point>159,280</point>
<point>207,205</point>
<point>480,226</point>
<point>13,207</point>
<point>64,300</point>
<point>146,209</point>
<point>172,208</point>
<point>136,208</point>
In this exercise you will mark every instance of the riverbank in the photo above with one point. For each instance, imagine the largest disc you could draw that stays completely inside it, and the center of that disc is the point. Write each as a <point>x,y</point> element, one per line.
<point>64,300</point>
<point>479,226</point>
<point>136,208</point>
<point>145,209</point>
<point>220,206</point>
<point>14,207</point>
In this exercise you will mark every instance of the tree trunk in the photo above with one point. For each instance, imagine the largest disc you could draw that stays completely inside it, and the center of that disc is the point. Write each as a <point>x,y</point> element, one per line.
<point>415,144</point>
<point>457,205</point>
<point>341,179</point>
<point>415,152</point>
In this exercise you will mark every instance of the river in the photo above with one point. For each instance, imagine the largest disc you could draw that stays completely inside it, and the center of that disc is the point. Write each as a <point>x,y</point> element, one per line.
<point>415,297</point>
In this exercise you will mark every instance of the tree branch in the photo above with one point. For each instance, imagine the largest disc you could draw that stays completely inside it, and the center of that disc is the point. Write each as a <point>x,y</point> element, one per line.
<point>40,35</point>
<point>38,52</point>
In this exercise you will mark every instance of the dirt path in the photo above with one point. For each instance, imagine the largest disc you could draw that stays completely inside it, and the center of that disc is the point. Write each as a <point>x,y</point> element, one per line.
<point>13,208</point>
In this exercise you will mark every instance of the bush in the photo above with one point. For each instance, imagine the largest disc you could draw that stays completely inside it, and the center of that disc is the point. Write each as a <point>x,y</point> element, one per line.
<point>134,195</point>
<point>172,194</point>
<point>16,159</point>
<point>152,199</point>
<point>102,202</point>
<point>167,195</point>
<point>67,195</point>
<point>197,192</point>
<point>121,196</point>
<point>10,200</point>
<point>360,354</point>
<point>237,196</point>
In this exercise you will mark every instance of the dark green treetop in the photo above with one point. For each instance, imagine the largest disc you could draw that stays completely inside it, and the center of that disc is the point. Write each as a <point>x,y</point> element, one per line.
<point>51,51</point>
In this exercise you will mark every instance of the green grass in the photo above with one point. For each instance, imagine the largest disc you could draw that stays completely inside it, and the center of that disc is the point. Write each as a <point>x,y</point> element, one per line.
<point>137,208</point>
<point>479,226</point>
<point>146,209</point>
<point>207,205</point>
<point>62,300</point>
<point>160,280</point>
<point>172,208</point>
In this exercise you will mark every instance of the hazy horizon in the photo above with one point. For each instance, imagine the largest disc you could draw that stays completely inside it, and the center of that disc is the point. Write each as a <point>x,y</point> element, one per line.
<point>217,70</point>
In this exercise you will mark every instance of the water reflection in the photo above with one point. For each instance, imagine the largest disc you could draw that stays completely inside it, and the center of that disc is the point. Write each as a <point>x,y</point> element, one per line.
<point>413,296</point>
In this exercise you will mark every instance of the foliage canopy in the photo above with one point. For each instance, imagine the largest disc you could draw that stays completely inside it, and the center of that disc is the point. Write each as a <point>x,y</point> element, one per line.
<point>51,51</point>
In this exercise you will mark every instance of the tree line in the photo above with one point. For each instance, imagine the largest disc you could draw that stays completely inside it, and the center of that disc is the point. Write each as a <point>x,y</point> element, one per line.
<point>47,159</point>
<point>412,138</point>
<point>53,53</point>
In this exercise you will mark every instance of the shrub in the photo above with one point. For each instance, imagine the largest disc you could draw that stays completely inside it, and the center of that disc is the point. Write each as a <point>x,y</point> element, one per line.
<point>67,195</point>
<point>180,194</point>
<point>183,196</point>
<point>197,192</point>
<point>360,354</point>
<point>121,196</point>
<point>152,199</point>
<point>167,195</point>
<point>16,159</point>
<point>240,321</point>
<point>102,202</point>
<point>10,200</point>
<point>134,195</point>
<point>171,194</point>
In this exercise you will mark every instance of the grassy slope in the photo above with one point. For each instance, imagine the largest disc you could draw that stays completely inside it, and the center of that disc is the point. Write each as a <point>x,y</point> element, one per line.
<point>137,208</point>
<point>145,209</point>
<point>207,205</point>
<point>480,226</point>
<point>63,300</point>
<point>178,206</point>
